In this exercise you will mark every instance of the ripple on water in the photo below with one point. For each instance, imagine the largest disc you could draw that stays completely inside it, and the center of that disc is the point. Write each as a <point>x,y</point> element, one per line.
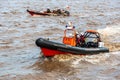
<point>19,56</point>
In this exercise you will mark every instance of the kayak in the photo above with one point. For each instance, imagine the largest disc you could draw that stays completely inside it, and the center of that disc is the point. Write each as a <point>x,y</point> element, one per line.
<point>51,48</point>
<point>32,13</point>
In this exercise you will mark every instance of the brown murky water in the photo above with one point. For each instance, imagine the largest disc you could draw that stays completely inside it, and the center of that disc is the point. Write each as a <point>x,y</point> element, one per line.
<point>20,57</point>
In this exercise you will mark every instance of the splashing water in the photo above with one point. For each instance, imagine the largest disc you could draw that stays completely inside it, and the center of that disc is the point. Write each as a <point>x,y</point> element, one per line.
<point>110,37</point>
<point>18,31</point>
<point>110,30</point>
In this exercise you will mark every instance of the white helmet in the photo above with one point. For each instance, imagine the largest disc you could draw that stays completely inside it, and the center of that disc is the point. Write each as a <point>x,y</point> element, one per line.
<point>70,25</point>
<point>67,7</point>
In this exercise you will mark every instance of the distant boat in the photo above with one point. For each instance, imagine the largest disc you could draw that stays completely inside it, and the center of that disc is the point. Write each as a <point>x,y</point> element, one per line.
<point>32,13</point>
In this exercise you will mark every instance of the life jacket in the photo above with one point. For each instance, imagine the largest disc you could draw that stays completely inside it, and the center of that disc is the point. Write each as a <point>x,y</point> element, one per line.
<point>69,37</point>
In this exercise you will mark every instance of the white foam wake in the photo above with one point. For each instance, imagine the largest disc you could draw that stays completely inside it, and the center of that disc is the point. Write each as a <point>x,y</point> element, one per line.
<point>110,30</point>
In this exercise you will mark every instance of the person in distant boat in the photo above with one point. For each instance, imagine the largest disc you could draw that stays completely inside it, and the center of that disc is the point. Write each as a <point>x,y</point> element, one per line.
<point>65,13</point>
<point>67,7</point>
<point>48,10</point>
<point>57,11</point>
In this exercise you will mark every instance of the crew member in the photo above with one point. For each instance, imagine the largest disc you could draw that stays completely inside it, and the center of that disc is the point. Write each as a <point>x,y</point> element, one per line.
<point>48,10</point>
<point>70,35</point>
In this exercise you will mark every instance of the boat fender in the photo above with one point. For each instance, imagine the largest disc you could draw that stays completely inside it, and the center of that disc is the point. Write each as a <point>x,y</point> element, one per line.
<point>101,44</point>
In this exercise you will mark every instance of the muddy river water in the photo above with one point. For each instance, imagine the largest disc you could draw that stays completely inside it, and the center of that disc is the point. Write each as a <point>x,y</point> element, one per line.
<point>20,58</point>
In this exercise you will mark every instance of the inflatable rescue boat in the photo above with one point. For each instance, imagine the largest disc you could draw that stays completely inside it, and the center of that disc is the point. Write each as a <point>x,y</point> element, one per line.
<point>51,48</point>
<point>90,44</point>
